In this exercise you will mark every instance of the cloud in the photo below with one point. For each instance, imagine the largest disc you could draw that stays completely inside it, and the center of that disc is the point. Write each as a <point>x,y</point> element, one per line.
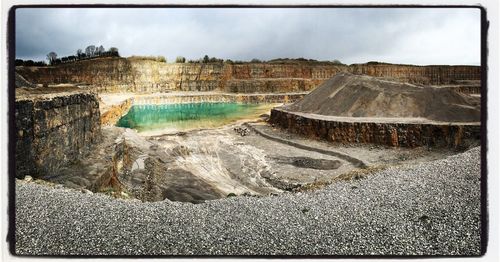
<point>352,35</point>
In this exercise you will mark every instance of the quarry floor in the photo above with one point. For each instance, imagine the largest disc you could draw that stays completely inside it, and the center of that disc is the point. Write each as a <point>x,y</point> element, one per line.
<point>199,165</point>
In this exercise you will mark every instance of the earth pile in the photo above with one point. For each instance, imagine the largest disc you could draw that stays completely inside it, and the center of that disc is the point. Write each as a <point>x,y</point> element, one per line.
<point>351,95</point>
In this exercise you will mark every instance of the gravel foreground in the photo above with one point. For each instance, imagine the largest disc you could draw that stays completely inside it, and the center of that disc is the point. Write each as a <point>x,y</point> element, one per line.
<point>426,209</point>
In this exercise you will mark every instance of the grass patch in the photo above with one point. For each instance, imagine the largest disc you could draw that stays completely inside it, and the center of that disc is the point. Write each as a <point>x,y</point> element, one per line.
<point>110,191</point>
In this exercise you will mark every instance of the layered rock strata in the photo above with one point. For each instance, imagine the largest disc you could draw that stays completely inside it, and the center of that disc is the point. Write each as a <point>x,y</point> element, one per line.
<point>402,134</point>
<point>53,130</point>
<point>427,75</point>
<point>239,98</point>
<point>129,75</point>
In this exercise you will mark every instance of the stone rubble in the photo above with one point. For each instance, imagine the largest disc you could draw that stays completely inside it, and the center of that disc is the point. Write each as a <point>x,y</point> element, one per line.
<point>242,131</point>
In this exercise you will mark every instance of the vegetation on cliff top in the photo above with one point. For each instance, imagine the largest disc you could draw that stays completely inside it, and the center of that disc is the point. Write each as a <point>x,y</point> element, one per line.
<point>159,58</point>
<point>91,52</point>
<point>207,60</point>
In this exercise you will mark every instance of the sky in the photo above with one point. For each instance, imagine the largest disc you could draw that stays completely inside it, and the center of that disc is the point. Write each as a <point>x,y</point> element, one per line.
<point>420,36</point>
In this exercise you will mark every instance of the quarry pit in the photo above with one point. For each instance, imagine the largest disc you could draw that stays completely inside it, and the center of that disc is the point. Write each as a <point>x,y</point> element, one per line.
<point>68,133</point>
<point>299,158</point>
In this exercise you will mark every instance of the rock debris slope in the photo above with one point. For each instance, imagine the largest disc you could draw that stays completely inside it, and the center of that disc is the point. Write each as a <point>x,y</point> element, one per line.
<point>365,96</point>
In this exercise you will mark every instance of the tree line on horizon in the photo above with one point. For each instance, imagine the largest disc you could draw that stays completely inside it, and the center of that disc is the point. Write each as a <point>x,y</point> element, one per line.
<point>207,60</point>
<point>92,51</point>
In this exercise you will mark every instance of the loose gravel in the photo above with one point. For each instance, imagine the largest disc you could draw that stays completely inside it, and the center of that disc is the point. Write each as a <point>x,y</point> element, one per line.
<point>431,208</point>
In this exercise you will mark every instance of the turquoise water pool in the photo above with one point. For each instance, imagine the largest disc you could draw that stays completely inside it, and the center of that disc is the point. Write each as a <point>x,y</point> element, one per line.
<point>189,116</point>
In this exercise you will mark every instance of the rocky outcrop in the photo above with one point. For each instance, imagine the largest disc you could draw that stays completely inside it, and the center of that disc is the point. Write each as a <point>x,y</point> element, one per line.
<point>53,130</point>
<point>132,75</point>
<point>402,134</point>
<point>112,114</point>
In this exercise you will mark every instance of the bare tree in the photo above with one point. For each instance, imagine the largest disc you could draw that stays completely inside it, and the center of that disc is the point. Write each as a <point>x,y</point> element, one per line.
<point>79,53</point>
<point>100,50</point>
<point>90,50</point>
<point>52,56</point>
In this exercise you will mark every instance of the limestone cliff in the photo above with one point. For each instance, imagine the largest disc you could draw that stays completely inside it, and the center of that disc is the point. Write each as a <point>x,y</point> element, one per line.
<point>428,75</point>
<point>396,134</point>
<point>53,130</point>
<point>134,75</point>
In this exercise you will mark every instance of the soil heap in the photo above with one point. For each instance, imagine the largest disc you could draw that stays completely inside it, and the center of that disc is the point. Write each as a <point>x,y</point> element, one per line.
<point>351,95</point>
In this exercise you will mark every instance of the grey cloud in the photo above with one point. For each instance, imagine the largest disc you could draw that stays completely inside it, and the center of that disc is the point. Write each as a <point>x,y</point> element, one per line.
<point>418,35</point>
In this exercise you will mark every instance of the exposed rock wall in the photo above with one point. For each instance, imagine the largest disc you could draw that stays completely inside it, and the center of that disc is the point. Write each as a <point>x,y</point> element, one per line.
<point>241,98</point>
<point>52,131</point>
<point>389,134</point>
<point>428,75</point>
<point>133,75</point>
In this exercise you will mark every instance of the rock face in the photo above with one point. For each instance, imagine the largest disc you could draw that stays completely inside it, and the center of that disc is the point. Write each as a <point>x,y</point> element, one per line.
<point>53,130</point>
<point>132,75</point>
<point>220,97</point>
<point>112,114</point>
<point>428,75</point>
<point>382,133</point>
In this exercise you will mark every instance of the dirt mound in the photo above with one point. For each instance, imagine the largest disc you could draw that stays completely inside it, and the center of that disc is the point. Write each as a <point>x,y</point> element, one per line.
<point>364,96</point>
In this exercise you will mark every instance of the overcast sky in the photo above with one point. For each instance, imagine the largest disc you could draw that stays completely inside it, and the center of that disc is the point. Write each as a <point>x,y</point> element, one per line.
<point>396,35</point>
